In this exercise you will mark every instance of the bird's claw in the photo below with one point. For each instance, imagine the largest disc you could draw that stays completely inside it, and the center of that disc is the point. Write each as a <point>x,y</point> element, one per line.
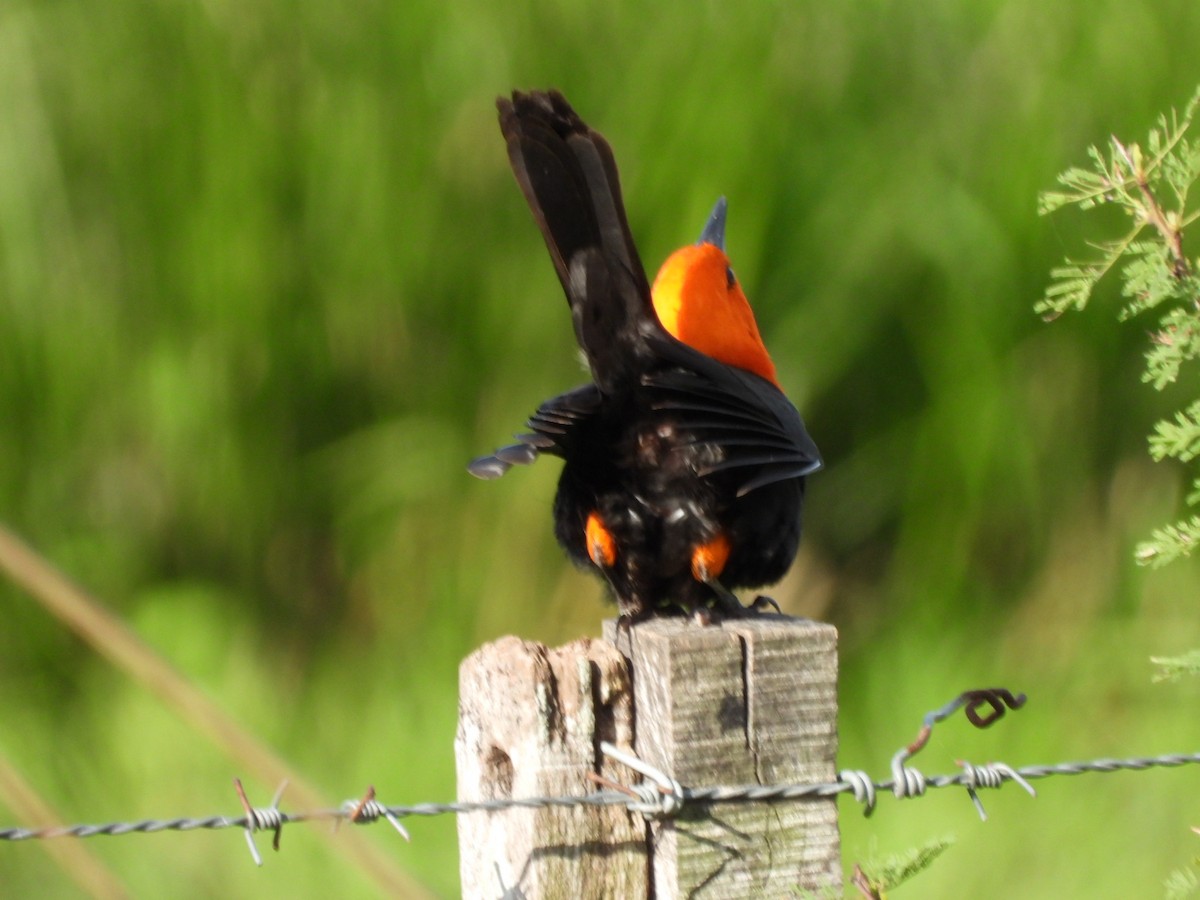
<point>760,603</point>
<point>727,605</point>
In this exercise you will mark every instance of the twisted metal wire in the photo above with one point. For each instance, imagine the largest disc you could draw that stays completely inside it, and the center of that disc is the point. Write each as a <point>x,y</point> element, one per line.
<point>851,781</point>
<point>659,795</point>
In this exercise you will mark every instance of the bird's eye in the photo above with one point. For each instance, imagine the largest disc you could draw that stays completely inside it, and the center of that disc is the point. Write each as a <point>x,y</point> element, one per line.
<point>730,278</point>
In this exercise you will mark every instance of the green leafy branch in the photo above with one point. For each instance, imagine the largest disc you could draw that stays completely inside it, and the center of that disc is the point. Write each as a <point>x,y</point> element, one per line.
<point>898,868</point>
<point>1133,180</point>
<point>1152,187</point>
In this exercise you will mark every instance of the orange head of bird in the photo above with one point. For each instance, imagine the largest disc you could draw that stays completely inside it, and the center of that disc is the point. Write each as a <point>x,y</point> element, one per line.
<point>699,302</point>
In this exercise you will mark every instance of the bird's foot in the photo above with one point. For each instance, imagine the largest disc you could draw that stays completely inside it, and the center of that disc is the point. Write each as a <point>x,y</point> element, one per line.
<point>760,603</point>
<point>728,606</point>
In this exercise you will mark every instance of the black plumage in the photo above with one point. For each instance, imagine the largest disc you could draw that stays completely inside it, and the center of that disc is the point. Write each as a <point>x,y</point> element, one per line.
<point>668,451</point>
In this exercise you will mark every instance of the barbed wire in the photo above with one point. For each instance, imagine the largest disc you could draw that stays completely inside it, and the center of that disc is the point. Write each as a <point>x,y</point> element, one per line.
<point>658,795</point>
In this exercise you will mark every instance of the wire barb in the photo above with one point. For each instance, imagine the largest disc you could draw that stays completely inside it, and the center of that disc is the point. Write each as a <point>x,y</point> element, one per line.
<point>265,819</point>
<point>369,810</point>
<point>908,782</point>
<point>992,775</point>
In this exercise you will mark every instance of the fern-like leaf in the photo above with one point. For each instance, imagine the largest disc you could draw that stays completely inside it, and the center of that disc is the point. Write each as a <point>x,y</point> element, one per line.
<point>1177,341</point>
<point>1182,884</point>
<point>898,868</point>
<point>1179,438</point>
<point>1070,288</point>
<point>1149,277</point>
<point>1169,543</point>
<point>1173,668</point>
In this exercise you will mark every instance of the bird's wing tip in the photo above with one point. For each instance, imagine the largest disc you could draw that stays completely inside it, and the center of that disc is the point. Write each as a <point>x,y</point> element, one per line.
<point>488,468</point>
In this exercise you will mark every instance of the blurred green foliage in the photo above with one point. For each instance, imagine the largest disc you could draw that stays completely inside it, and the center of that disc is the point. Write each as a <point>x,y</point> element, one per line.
<point>1152,187</point>
<point>266,284</point>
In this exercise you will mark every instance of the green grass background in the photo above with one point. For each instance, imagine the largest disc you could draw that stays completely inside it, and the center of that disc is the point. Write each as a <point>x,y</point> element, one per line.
<point>266,284</point>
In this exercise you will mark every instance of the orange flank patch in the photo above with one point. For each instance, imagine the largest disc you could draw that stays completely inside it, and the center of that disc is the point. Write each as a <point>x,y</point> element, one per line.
<point>601,546</point>
<point>708,560</point>
<point>699,302</point>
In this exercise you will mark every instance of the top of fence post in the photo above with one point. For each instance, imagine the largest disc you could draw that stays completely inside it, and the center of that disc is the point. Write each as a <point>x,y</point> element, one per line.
<point>745,702</point>
<point>751,701</point>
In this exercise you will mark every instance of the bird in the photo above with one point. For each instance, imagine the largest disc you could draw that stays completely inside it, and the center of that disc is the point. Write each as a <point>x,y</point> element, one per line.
<point>684,464</point>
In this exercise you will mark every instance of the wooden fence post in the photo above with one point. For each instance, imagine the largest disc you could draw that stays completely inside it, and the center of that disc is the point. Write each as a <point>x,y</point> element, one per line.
<point>529,725</point>
<point>753,701</point>
<point>746,702</point>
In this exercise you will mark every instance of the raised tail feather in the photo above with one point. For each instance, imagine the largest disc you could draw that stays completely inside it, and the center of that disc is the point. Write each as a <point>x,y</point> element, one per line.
<point>568,175</point>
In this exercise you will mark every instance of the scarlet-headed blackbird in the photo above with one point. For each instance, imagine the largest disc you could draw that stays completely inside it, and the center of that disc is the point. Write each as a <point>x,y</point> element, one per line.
<point>684,462</point>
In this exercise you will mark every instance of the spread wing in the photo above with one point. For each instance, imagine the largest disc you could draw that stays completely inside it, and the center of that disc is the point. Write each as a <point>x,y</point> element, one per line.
<point>755,429</point>
<point>759,434</point>
<point>551,430</point>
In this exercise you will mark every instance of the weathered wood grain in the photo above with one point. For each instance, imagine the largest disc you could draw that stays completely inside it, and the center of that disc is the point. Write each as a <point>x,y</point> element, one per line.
<point>530,724</point>
<point>745,702</point>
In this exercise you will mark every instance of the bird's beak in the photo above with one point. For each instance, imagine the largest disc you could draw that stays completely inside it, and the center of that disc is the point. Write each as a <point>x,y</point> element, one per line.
<point>714,231</point>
